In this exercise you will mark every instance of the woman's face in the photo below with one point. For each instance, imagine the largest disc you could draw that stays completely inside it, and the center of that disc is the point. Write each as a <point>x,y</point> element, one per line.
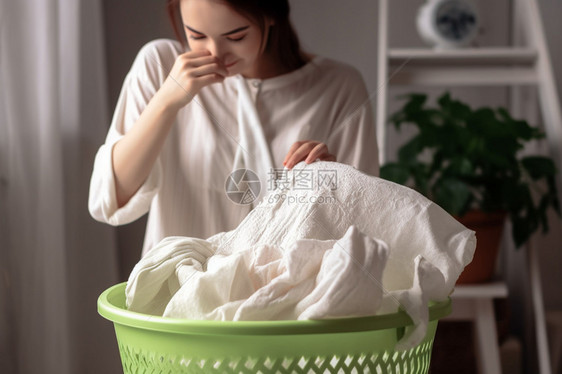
<point>213,26</point>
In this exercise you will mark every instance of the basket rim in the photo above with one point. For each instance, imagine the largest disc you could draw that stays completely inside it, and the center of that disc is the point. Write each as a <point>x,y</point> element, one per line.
<point>118,315</point>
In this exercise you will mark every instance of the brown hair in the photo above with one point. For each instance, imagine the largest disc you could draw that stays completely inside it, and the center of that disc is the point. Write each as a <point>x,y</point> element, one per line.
<point>282,43</point>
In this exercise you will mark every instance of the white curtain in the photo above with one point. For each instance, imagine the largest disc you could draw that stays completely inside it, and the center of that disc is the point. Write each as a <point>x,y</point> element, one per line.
<point>54,259</point>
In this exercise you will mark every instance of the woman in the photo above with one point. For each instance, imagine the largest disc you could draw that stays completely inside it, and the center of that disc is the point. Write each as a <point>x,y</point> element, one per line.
<point>179,128</point>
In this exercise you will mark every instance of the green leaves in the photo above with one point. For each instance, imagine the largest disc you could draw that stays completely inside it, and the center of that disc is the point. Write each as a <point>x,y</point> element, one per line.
<point>395,173</point>
<point>453,109</point>
<point>453,195</point>
<point>539,167</point>
<point>463,158</point>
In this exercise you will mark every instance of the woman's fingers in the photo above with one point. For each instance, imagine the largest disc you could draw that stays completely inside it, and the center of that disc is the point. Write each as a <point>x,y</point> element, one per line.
<point>300,153</point>
<point>192,55</point>
<point>191,71</point>
<point>199,63</point>
<point>330,157</point>
<point>309,151</point>
<point>317,152</point>
<point>210,68</point>
<point>292,150</point>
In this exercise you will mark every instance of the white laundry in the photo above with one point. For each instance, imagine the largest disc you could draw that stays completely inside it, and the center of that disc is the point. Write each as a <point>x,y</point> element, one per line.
<point>316,252</point>
<point>311,279</point>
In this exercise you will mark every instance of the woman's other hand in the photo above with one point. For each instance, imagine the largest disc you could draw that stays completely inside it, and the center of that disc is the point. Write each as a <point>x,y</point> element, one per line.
<point>191,71</point>
<point>309,151</point>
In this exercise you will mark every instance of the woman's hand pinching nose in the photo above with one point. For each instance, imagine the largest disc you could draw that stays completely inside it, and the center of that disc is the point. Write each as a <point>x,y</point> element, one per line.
<point>308,151</point>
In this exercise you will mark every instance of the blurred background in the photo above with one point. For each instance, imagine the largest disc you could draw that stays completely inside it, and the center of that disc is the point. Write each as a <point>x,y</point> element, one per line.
<point>62,66</point>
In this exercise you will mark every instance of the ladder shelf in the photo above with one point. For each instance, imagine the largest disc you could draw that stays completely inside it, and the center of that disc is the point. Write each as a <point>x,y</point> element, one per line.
<point>511,66</point>
<point>487,56</point>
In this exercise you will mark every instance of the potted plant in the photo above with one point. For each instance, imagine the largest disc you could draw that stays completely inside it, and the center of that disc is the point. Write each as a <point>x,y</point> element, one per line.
<point>470,163</point>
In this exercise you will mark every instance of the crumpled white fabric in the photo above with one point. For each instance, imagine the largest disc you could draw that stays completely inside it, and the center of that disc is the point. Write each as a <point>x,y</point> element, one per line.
<point>316,252</point>
<point>311,279</point>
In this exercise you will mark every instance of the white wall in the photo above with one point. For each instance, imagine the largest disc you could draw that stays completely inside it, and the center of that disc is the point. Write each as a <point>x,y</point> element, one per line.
<point>551,246</point>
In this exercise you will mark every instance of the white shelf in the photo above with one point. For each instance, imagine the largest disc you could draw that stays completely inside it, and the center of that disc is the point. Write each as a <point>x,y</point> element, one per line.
<point>411,75</point>
<point>462,67</point>
<point>465,56</point>
<point>484,290</point>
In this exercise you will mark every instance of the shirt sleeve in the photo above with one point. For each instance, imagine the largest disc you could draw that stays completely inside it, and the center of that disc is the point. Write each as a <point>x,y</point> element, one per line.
<point>140,85</point>
<point>353,139</point>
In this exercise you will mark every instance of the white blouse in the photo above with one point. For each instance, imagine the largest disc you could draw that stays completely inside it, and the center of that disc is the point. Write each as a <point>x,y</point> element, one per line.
<point>185,192</point>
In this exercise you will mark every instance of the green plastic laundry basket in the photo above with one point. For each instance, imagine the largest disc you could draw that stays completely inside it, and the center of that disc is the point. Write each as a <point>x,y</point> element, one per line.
<point>152,344</point>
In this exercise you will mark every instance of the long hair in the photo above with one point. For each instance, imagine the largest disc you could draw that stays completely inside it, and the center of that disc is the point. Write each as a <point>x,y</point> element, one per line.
<point>283,42</point>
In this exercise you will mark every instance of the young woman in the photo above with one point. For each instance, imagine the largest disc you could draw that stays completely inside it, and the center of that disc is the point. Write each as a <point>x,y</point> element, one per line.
<point>179,126</point>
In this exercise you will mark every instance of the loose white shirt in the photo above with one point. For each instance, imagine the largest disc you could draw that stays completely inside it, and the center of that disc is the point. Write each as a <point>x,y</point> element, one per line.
<point>185,195</point>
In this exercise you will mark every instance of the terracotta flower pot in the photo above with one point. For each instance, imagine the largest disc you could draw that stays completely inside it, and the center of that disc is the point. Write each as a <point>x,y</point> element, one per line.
<point>488,228</point>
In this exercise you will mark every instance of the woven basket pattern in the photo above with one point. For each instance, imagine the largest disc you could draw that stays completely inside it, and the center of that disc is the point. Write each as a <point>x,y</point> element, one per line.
<point>413,361</point>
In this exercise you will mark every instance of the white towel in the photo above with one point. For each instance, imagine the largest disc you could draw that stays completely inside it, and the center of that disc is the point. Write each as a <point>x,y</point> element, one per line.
<point>346,216</point>
<point>311,279</point>
<point>161,272</point>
